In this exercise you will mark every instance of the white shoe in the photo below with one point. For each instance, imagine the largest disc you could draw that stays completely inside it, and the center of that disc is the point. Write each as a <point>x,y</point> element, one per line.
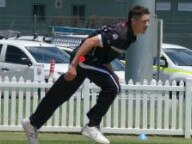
<point>95,134</point>
<point>30,131</point>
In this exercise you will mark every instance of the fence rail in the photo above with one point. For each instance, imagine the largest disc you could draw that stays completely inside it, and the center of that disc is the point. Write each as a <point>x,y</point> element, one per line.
<point>151,108</point>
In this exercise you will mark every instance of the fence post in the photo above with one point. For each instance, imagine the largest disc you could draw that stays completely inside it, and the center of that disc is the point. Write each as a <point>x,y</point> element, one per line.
<point>86,100</point>
<point>188,108</point>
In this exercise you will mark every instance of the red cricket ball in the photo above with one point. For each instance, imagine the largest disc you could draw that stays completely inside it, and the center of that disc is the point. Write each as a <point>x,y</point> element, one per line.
<point>81,59</point>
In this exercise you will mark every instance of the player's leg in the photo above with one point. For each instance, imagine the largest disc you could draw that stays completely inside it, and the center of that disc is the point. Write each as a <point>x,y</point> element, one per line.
<point>61,91</point>
<point>109,89</point>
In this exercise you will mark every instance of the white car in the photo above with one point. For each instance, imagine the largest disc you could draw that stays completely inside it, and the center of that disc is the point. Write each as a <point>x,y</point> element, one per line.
<point>175,63</point>
<point>21,58</point>
<point>70,40</point>
<point>35,37</point>
<point>67,43</point>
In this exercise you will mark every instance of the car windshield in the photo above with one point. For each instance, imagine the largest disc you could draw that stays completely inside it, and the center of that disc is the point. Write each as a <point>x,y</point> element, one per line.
<point>46,54</point>
<point>180,57</point>
<point>118,65</point>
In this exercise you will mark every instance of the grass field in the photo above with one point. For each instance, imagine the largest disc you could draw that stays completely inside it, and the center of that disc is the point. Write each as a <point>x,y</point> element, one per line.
<point>61,138</point>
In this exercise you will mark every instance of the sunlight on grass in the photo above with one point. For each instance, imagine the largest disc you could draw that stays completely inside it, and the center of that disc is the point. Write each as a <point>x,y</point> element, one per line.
<point>64,138</point>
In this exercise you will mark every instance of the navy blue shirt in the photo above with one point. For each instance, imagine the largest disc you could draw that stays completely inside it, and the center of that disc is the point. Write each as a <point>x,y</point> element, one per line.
<point>114,40</point>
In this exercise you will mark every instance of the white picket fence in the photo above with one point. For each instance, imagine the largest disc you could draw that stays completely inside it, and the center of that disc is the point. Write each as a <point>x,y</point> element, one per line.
<point>139,108</point>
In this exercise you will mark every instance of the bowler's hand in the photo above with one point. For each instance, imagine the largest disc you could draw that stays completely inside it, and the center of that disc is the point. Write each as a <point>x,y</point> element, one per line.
<point>71,73</point>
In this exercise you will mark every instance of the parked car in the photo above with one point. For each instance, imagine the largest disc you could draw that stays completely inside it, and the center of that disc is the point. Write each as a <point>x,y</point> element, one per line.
<point>175,63</point>
<point>70,40</point>
<point>67,43</point>
<point>35,37</point>
<point>20,58</point>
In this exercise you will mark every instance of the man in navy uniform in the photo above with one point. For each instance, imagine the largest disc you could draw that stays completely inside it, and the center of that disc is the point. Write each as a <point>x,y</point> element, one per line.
<point>98,50</point>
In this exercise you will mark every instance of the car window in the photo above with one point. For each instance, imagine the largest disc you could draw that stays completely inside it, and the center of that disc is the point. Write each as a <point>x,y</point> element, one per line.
<point>14,55</point>
<point>180,57</point>
<point>46,54</point>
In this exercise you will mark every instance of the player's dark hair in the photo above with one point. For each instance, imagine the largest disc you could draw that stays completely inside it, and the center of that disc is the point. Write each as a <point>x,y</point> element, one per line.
<point>136,12</point>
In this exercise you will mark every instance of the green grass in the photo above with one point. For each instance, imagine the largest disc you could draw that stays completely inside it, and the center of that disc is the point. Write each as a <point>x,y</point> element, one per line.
<point>63,138</point>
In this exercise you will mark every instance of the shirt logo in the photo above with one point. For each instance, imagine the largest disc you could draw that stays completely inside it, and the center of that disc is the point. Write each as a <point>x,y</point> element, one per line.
<point>115,36</point>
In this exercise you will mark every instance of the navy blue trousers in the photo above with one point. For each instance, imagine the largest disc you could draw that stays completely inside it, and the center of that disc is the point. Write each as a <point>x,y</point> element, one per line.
<point>62,90</point>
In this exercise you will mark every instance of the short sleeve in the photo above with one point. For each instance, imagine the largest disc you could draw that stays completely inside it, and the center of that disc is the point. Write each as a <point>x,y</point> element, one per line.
<point>108,37</point>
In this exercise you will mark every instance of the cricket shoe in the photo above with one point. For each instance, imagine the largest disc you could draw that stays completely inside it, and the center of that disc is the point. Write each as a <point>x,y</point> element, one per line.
<point>30,131</point>
<point>95,134</point>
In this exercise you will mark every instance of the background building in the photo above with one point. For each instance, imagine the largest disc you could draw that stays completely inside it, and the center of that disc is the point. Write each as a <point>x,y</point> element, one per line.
<point>29,16</point>
<point>177,19</point>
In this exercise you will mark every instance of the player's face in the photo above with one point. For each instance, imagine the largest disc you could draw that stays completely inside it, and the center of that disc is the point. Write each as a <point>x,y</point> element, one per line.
<point>140,24</point>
